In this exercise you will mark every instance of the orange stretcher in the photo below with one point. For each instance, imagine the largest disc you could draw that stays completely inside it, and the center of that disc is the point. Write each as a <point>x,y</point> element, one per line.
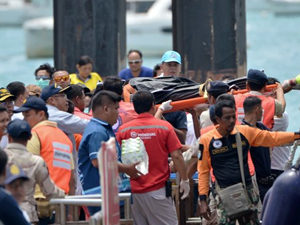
<point>193,102</point>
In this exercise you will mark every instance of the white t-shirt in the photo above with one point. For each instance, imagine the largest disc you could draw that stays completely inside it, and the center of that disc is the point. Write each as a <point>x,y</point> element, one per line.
<point>280,154</point>
<point>205,119</point>
<point>190,134</point>
<point>17,115</point>
<point>4,142</point>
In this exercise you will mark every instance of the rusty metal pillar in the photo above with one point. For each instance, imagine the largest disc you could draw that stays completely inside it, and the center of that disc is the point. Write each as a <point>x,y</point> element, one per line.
<point>210,35</point>
<point>90,27</point>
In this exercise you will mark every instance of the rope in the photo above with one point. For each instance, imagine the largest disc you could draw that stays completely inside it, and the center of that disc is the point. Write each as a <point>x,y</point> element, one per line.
<point>289,163</point>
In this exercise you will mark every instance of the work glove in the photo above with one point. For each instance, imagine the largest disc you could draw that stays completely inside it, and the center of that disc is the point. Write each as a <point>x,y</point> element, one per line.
<point>185,188</point>
<point>191,152</point>
<point>298,79</point>
<point>166,105</point>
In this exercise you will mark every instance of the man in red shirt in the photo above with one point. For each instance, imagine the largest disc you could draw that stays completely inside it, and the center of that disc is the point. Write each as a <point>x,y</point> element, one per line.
<point>77,96</point>
<point>151,201</point>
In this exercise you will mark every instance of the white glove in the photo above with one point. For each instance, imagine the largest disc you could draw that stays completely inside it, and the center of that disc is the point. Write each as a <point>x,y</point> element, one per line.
<point>166,105</point>
<point>185,188</point>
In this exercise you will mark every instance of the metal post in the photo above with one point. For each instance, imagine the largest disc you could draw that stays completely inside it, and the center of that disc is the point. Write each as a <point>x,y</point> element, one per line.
<point>210,35</point>
<point>90,27</point>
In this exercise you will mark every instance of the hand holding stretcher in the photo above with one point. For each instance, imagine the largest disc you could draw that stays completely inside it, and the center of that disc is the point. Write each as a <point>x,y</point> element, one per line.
<point>194,102</point>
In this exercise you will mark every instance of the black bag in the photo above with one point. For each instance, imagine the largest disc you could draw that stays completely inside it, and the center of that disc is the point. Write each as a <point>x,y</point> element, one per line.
<point>167,88</point>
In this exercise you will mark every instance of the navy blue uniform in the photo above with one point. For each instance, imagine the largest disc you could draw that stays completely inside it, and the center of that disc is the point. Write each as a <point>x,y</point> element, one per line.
<point>10,213</point>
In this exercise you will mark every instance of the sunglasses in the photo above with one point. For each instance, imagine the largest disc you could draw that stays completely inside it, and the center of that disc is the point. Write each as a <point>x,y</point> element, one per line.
<point>42,77</point>
<point>135,61</point>
<point>9,103</point>
<point>61,78</point>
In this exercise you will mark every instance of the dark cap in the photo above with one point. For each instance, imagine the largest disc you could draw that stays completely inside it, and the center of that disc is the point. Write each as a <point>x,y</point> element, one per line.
<point>217,86</point>
<point>4,94</point>
<point>14,172</point>
<point>18,127</point>
<point>85,88</point>
<point>53,89</point>
<point>257,76</point>
<point>32,103</point>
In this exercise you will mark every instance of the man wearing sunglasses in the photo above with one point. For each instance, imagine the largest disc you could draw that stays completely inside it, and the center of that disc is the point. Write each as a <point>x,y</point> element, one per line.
<point>61,78</point>
<point>135,69</point>
<point>43,75</point>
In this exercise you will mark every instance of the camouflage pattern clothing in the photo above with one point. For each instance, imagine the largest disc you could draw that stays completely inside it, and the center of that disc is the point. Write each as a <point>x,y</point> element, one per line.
<point>37,171</point>
<point>249,219</point>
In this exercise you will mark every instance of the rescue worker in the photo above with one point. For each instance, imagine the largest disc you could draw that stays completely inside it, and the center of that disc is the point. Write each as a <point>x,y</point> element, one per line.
<point>52,145</point>
<point>19,132</point>
<point>151,193</point>
<point>219,151</point>
<point>256,84</point>
<point>261,156</point>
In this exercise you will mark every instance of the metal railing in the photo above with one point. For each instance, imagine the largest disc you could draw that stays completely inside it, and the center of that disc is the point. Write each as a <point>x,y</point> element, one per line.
<point>84,200</point>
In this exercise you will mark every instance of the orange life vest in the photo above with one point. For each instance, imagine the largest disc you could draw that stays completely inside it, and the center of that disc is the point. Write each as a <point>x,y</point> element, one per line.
<point>268,105</point>
<point>56,150</point>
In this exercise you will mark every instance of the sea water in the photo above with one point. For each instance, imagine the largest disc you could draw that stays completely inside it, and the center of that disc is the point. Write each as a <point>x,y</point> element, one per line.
<point>273,45</point>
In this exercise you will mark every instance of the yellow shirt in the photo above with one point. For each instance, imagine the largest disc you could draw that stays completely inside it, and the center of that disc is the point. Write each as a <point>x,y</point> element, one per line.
<point>90,82</point>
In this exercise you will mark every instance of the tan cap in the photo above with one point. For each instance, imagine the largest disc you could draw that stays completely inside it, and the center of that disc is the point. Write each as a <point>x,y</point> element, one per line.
<point>34,90</point>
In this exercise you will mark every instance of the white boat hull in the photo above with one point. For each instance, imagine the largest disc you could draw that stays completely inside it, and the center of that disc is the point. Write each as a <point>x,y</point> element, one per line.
<point>148,32</point>
<point>285,7</point>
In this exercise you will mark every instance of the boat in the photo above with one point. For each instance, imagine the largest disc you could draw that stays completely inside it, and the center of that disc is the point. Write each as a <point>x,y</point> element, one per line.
<point>147,22</point>
<point>285,7</point>
<point>15,12</point>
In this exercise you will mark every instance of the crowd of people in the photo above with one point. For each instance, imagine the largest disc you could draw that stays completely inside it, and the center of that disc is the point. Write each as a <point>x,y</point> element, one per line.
<point>51,133</point>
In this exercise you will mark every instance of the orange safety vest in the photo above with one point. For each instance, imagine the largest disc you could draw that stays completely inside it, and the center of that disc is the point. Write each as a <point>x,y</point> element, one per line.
<point>268,105</point>
<point>56,150</point>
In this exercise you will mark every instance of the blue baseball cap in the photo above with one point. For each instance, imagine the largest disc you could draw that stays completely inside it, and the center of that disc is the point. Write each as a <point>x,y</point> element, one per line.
<point>171,56</point>
<point>257,76</point>
<point>53,89</point>
<point>14,172</point>
<point>32,103</point>
<point>217,86</point>
<point>17,127</point>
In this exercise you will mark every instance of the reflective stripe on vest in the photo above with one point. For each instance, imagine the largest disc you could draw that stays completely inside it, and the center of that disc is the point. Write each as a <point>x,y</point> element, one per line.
<point>268,105</point>
<point>56,150</point>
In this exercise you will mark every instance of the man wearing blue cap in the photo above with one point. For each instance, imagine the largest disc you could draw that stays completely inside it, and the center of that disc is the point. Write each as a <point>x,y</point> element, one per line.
<point>10,213</point>
<point>19,132</point>
<point>171,64</point>
<point>56,100</point>
<point>16,182</point>
<point>51,144</point>
<point>256,84</point>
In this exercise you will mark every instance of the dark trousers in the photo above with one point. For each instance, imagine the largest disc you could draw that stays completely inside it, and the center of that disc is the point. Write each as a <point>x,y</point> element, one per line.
<point>263,189</point>
<point>46,221</point>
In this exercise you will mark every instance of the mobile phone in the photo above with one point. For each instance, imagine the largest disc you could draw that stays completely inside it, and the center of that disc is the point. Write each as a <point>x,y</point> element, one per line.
<point>168,188</point>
